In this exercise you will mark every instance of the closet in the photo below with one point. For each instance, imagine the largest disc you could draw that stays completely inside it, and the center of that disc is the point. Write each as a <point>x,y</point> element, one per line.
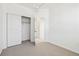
<point>18,29</point>
<point>26,28</point>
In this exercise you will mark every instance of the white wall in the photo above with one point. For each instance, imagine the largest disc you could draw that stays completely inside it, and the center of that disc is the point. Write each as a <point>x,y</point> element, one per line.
<point>15,9</point>
<point>64,26</point>
<point>13,32</point>
<point>1,28</point>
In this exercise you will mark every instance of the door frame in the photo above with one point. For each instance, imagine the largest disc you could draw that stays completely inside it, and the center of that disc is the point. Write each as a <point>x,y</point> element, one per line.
<point>29,18</point>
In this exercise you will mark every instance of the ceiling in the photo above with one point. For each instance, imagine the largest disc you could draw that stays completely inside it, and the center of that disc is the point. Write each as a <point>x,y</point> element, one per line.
<point>32,5</point>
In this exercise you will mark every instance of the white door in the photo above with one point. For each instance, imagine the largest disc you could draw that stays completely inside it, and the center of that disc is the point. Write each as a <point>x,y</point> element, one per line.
<point>37,29</point>
<point>14,30</point>
<point>32,30</point>
<point>41,25</point>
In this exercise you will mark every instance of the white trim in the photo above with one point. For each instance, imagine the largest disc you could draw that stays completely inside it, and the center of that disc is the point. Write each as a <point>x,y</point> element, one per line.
<point>0,51</point>
<point>62,46</point>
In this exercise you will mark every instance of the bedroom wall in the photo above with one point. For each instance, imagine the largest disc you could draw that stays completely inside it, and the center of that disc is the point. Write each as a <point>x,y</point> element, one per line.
<point>1,28</point>
<point>64,26</point>
<point>14,9</point>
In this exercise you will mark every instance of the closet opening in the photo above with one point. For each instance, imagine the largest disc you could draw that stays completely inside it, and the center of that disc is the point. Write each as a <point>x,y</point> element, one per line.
<point>26,28</point>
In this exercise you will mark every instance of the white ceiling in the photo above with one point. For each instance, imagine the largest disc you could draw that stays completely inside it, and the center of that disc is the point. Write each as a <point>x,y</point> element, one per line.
<point>32,5</point>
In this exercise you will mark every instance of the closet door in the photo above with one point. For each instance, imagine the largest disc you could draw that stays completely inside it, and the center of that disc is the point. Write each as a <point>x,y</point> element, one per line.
<point>14,30</point>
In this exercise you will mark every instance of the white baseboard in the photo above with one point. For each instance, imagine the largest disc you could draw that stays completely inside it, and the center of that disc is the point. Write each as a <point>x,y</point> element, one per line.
<point>63,47</point>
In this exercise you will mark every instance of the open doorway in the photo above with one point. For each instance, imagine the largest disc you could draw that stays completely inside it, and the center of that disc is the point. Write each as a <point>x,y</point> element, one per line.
<point>26,28</point>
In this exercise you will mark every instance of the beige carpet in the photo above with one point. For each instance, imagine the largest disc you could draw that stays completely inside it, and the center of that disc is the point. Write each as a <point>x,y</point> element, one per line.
<point>43,49</point>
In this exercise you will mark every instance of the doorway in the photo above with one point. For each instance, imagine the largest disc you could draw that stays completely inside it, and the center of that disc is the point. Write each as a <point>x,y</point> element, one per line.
<point>26,28</point>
